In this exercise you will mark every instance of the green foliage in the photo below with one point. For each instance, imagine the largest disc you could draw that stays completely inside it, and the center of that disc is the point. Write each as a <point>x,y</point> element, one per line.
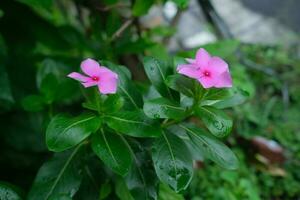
<point>181,3</point>
<point>133,123</point>
<point>166,193</point>
<point>6,96</point>
<point>241,184</point>
<point>64,132</point>
<point>172,161</point>
<point>112,150</point>
<point>59,176</point>
<point>141,7</point>
<point>157,71</point>
<point>217,122</point>
<point>9,192</point>
<point>147,139</point>
<point>33,103</point>
<point>163,108</point>
<point>211,147</point>
<point>182,84</point>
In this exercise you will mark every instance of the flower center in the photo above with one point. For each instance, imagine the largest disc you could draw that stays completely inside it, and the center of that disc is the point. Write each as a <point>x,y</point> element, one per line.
<point>206,73</point>
<point>95,78</point>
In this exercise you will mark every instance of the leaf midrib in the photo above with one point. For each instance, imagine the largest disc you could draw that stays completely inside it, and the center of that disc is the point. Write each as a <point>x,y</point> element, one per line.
<point>70,126</point>
<point>127,120</point>
<point>197,136</point>
<point>78,122</point>
<point>171,106</point>
<point>62,171</point>
<point>208,111</point>
<point>164,79</point>
<point>129,96</point>
<point>109,149</point>
<point>136,162</point>
<point>171,153</point>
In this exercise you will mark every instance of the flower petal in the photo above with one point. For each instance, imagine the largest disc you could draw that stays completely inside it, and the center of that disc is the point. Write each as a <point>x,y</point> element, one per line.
<point>207,82</point>
<point>78,77</point>
<point>90,67</point>
<point>202,57</point>
<point>189,70</point>
<point>190,60</point>
<point>224,80</point>
<point>108,84</point>
<point>103,71</point>
<point>217,65</point>
<point>90,83</point>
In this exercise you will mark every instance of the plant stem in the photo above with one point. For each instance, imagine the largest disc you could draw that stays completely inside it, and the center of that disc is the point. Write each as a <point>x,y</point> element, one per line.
<point>98,101</point>
<point>50,111</point>
<point>199,93</point>
<point>119,32</point>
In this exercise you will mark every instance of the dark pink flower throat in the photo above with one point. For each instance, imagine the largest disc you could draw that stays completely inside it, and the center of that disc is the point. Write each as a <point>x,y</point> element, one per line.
<point>95,78</point>
<point>206,73</point>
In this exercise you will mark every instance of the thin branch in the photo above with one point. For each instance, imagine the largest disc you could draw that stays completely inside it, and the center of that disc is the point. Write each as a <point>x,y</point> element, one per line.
<point>119,32</point>
<point>110,7</point>
<point>173,23</point>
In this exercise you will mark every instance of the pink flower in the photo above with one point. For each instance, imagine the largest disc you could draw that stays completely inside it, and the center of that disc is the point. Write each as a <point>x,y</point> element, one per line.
<point>104,78</point>
<point>209,71</point>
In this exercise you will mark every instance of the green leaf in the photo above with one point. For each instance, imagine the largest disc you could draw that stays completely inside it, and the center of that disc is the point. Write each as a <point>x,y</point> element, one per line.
<point>122,190</point>
<point>224,48</point>
<point>90,105</point>
<point>162,31</point>
<point>46,67</point>
<point>217,122</point>
<point>216,94</point>
<point>71,92</point>
<point>237,97</point>
<point>186,101</point>
<point>49,88</point>
<point>149,92</point>
<point>157,71</point>
<point>6,97</point>
<point>113,103</point>
<point>64,132</point>
<point>133,99</point>
<point>105,190</point>
<point>37,3</point>
<point>1,13</point>
<point>157,50</point>
<point>33,103</point>
<point>59,176</point>
<point>181,3</point>
<point>3,48</point>
<point>60,197</point>
<point>9,192</point>
<point>212,148</point>
<point>91,178</point>
<point>94,99</point>
<point>181,133</point>
<point>182,84</point>
<point>139,180</point>
<point>112,150</point>
<point>110,2</point>
<point>113,23</point>
<point>172,161</point>
<point>141,7</point>
<point>133,123</point>
<point>163,108</point>
<point>133,46</point>
<point>165,193</point>
<point>119,69</point>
